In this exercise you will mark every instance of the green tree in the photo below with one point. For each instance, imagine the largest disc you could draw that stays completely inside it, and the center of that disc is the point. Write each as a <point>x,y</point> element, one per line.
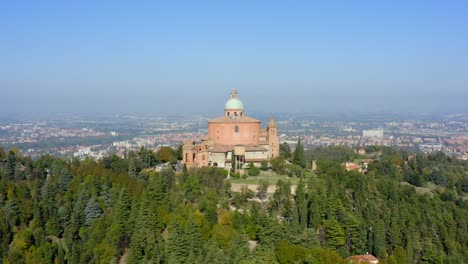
<point>239,250</point>
<point>179,152</point>
<point>264,165</point>
<point>147,157</point>
<point>64,179</point>
<point>288,253</point>
<point>355,234</point>
<point>262,189</point>
<point>294,170</point>
<point>122,209</point>
<point>399,255</point>
<point>194,239</point>
<point>301,204</point>
<point>178,245</point>
<point>281,200</point>
<point>2,153</point>
<point>285,151</point>
<point>253,171</point>
<point>132,169</point>
<point>214,254</point>
<point>92,211</point>
<point>335,235</point>
<point>10,165</point>
<point>166,154</point>
<point>278,165</point>
<point>298,157</point>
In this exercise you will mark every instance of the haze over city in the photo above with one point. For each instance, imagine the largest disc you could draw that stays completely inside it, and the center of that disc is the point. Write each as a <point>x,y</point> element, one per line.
<point>174,57</point>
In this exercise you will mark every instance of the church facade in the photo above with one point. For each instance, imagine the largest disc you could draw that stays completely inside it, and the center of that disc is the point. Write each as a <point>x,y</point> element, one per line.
<point>233,138</point>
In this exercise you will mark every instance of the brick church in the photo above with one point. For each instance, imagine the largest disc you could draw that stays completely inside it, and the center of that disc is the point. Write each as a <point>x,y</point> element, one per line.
<point>233,137</point>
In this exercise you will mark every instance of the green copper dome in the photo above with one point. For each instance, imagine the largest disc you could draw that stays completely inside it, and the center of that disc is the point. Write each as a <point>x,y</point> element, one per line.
<point>234,104</point>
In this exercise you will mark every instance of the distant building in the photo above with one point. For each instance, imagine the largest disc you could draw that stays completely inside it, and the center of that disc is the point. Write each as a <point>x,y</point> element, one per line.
<point>464,157</point>
<point>233,138</point>
<point>430,147</point>
<point>351,166</point>
<point>377,133</point>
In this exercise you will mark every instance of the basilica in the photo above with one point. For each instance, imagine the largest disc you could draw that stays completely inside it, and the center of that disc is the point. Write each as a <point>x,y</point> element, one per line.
<point>233,139</point>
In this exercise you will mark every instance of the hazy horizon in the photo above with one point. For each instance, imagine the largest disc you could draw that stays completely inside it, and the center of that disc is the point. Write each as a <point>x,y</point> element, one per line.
<point>110,57</point>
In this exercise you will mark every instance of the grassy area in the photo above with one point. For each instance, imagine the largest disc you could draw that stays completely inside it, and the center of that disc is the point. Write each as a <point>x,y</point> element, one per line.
<point>270,176</point>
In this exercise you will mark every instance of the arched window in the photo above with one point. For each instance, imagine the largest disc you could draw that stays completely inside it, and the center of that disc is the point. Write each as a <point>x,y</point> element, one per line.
<point>236,129</point>
<point>193,157</point>
<point>186,157</point>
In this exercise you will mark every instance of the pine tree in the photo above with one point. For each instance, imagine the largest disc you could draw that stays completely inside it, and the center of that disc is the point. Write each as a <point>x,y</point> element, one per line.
<point>239,250</point>
<point>92,211</point>
<point>63,216</point>
<point>10,165</point>
<point>269,232</point>
<point>335,235</point>
<point>355,238</point>
<point>214,254</point>
<point>122,209</point>
<point>194,238</point>
<point>178,244</point>
<point>28,168</point>
<point>64,178</point>
<point>19,172</point>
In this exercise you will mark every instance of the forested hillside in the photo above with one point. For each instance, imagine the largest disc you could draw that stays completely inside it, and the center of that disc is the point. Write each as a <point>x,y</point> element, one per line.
<point>117,210</point>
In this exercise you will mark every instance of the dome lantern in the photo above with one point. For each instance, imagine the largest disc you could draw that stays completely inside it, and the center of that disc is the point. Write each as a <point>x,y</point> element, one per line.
<point>234,107</point>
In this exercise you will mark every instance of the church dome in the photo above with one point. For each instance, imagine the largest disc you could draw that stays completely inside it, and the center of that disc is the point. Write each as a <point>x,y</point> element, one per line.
<point>234,103</point>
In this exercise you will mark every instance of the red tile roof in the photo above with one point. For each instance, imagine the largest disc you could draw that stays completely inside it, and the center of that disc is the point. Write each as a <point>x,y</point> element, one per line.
<point>362,258</point>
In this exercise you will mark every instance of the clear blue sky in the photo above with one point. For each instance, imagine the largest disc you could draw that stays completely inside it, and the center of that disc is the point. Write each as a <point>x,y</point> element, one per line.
<point>130,56</point>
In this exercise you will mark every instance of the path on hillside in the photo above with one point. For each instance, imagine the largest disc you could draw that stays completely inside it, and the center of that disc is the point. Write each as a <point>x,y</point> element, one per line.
<point>236,187</point>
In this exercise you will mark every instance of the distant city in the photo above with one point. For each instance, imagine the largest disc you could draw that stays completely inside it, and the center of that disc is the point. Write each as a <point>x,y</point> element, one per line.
<point>80,136</point>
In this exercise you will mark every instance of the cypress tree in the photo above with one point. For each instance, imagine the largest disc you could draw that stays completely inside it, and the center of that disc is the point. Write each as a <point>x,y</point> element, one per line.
<point>300,202</point>
<point>132,171</point>
<point>10,165</point>
<point>299,157</point>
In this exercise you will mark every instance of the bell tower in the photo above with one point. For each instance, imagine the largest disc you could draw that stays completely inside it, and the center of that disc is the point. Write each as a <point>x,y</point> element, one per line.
<point>273,139</point>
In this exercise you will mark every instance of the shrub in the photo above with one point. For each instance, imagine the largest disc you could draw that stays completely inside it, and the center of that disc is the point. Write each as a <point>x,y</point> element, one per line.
<point>253,171</point>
